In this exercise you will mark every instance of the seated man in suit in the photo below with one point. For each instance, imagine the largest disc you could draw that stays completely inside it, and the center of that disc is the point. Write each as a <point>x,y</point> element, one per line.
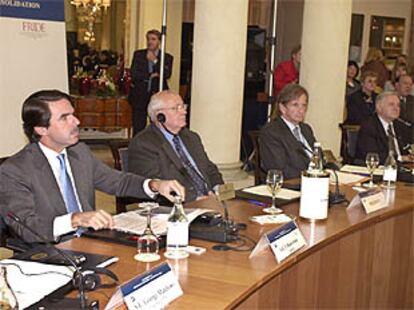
<point>286,142</point>
<point>404,87</point>
<point>50,184</point>
<point>167,149</point>
<point>381,128</point>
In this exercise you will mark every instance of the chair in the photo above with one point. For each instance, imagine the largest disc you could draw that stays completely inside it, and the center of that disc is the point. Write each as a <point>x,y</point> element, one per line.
<point>259,174</point>
<point>119,149</point>
<point>349,142</point>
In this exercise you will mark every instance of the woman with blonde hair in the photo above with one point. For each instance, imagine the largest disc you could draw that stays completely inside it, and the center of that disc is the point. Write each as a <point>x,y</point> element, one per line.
<point>375,62</point>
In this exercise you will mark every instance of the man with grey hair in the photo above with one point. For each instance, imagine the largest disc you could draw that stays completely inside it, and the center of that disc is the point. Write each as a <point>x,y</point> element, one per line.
<point>383,130</point>
<point>167,148</point>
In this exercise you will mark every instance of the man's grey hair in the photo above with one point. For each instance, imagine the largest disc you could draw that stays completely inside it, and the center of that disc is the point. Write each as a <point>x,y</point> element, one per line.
<point>381,97</point>
<point>155,104</point>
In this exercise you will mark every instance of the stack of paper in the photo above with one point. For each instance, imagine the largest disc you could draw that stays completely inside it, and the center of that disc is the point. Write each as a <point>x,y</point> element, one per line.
<point>361,170</point>
<point>37,280</point>
<point>263,190</point>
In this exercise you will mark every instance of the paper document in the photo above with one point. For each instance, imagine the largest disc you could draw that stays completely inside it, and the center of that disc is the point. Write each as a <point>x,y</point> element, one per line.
<point>30,289</point>
<point>347,178</point>
<point>263,190</point>
<point>362,170</point>
<point>135,223</point>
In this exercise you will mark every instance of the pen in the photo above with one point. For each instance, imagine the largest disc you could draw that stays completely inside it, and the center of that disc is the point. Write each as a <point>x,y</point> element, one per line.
<point>257,203</point>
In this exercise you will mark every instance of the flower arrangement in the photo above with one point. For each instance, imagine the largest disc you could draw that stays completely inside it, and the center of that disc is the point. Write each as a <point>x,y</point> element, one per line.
<point>105,85</point>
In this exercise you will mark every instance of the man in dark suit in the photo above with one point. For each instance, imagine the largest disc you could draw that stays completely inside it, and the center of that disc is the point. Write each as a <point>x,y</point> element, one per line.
<point>50,184</point>
<point>404,86</point>
<point>286,142</point>
<point>382,129</point>
<point>167,149</point>
<point>145,73</point>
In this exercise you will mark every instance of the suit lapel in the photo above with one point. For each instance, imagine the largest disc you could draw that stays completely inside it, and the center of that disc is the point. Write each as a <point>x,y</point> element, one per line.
<point>294,144</point>
<point>382,134</point>
<point>166,146</point>
<point>48,178</point>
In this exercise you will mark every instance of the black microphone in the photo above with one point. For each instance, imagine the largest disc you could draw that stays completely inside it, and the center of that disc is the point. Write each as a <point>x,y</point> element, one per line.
<point>404,122</point>
<point>337,197</point>
<point>77,275</point>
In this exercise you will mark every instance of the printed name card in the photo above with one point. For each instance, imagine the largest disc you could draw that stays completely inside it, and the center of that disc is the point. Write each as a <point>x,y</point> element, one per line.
<point>154,289</point>
<point>373,200</point>
<point>284,241</point>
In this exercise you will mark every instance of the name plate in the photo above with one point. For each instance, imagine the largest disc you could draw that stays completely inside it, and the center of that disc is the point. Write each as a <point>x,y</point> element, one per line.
<point>226,192</point>
<point>373,200</point>
<point>286,240</point>
<point>154,289</point>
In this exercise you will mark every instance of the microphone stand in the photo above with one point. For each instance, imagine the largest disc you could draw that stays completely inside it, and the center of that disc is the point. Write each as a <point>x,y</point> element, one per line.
<point>336,197</point>
<point>78,274</point>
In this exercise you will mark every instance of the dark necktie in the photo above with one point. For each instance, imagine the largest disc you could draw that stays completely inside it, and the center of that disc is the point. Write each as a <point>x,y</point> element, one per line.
<point>391,142</point>
<point>197,180</point>
<point>67,187</point>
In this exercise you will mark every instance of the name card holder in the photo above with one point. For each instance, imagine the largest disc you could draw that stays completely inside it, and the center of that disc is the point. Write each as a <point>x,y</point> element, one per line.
<point>154,289</point>
<point>372,200</point>
<point>284,241</point>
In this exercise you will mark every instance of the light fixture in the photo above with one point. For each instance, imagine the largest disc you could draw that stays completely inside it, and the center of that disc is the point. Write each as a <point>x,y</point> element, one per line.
<point>87,11</point>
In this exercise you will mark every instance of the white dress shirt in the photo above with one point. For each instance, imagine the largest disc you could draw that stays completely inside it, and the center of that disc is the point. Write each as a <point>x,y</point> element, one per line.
<point>385,125</point>
<point>292,126</point>
<point>63,224</point>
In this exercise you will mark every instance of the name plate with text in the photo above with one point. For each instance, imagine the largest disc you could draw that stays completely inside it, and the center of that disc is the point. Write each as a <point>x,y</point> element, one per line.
<point>154,289</point>
<point>373,200</point>
<point>285,240</point>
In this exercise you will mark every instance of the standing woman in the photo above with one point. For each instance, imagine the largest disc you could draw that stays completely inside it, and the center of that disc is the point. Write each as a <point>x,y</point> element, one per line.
<point>145,73</point>
<point>352,83</point>
<point>375,62</point>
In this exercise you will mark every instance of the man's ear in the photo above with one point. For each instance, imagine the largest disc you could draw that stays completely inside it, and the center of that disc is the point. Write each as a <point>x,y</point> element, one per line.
<point>41,131</point>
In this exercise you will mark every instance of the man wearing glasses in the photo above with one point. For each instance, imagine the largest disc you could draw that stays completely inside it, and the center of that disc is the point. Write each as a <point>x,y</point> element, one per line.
<point>167,148</point>
<point>286,142</point>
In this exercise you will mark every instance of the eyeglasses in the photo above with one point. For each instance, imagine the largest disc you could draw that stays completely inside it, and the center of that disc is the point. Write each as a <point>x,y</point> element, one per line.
<point>177,108</point>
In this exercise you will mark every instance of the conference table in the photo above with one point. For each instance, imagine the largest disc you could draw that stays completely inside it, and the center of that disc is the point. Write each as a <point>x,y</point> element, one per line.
<point>351,260</point>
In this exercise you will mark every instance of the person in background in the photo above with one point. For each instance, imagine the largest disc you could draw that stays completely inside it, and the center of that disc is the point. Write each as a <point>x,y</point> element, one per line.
<point>50,184</point>
<point>288,71</point>
<point>382,127</point>
<point>375,62</point>
<point>286,142</point>
<point>361,104</point>
<point>168,149</point>
<point>145,73</point>
<point>352,82</point>
<point>397,71</point>
<point>404,86</point>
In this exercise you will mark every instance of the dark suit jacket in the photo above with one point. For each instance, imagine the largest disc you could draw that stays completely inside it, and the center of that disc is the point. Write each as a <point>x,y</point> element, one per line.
<point>29,189</point>
<point>407,109</point>
<point>151,155</point>
<point>358,109</point>
<point>280,150</point>
<point>139,94</point>
<point>372,138</point>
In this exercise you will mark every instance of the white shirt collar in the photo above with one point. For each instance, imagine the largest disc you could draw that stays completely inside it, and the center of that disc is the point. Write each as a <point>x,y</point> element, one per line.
<point>290,124</point>
<point>49,153</point>
<point>384,123</point>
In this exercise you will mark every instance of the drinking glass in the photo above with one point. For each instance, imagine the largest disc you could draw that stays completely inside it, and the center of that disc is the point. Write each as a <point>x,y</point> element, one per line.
<point>372,161</point>
<point>274,181</point>
<point>148,244</point>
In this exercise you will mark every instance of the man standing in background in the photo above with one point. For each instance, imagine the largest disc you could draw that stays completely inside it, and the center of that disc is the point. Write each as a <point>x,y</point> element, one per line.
<point>145,72</point>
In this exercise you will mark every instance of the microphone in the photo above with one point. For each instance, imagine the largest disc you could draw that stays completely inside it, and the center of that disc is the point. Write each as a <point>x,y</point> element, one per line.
<point>77,275</point>
<point>404,122</point>
<point>337,197</point>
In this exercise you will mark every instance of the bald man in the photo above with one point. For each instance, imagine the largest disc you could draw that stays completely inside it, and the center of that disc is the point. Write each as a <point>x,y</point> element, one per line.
<point>168,148</point>
<point>376,131</point>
